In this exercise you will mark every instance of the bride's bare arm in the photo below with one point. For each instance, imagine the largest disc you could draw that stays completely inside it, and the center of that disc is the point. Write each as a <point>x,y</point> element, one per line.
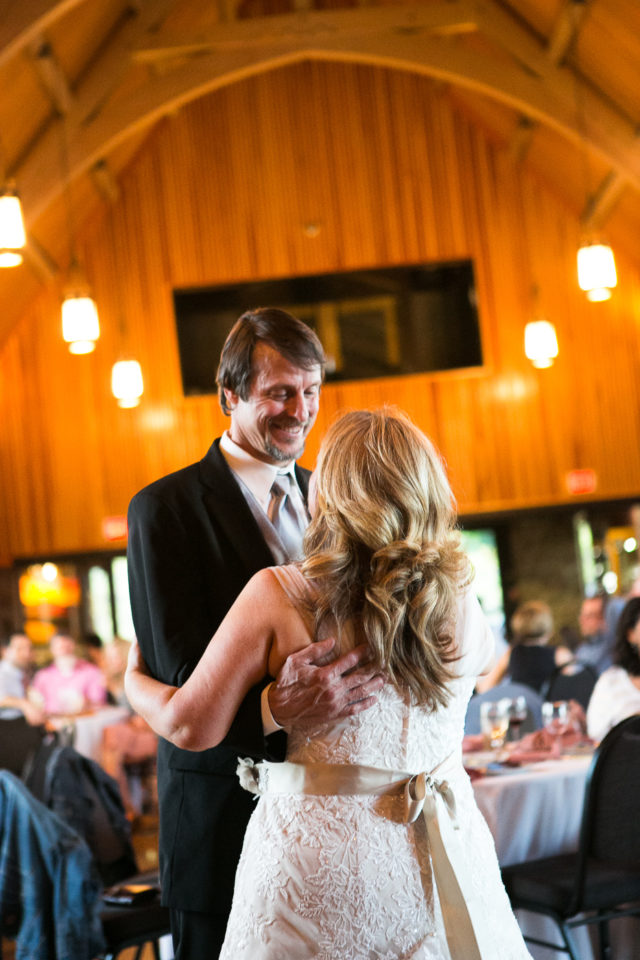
<point>198,714</point>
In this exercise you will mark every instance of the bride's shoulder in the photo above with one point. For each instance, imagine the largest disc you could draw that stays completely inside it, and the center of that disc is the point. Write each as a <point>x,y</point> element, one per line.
<point>279,583</point>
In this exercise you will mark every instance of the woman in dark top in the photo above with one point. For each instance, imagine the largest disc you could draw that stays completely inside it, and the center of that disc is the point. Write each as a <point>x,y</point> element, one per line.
<point>531,658</point>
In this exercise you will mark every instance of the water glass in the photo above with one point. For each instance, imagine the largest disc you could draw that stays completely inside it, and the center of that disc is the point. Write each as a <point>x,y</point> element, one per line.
<point>517,713</point>
<point>494,723</point>
<point>555,718</point>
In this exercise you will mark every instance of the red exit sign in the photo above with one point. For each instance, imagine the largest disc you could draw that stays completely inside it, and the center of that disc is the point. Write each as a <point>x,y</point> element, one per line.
<point>580,482</point>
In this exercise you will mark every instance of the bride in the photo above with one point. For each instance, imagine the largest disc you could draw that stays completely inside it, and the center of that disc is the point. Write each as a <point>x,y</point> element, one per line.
<point>366,842</point>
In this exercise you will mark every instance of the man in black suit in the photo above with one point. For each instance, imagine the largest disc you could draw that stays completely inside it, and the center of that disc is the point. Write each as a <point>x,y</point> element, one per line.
<point>195,538</point>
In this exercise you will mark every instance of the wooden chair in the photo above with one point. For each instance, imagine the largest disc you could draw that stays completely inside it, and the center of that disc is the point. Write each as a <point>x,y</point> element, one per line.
<point>601,880</point>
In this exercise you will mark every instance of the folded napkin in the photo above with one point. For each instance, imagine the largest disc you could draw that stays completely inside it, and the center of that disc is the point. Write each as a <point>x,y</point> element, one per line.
<point>536,746</point>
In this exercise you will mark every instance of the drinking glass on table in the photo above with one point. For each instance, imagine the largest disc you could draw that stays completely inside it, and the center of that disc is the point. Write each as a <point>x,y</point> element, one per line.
<point>494,723</point>
<point>555,718</point>
<point>517,714</point>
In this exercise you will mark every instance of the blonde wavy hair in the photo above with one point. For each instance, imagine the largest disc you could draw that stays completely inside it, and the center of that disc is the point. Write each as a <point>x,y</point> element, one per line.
<point>382,548</point>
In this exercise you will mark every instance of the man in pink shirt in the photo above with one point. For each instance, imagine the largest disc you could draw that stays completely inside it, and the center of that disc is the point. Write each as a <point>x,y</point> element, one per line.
<point>69,685</point>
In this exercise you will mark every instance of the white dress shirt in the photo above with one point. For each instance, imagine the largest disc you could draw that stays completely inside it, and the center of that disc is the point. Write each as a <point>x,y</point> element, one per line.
<point>11,685</point>
<point>615,697</point>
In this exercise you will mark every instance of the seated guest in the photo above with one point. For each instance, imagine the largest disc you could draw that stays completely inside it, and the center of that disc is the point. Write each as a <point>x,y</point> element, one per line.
<point>616,695</point>
<point>114,664</point>
<point>130,741</point>
<point>598,620</point>
<point>531,658</point>
<point>92,649</point>
<point>69,684</point>
<point>15,673</point>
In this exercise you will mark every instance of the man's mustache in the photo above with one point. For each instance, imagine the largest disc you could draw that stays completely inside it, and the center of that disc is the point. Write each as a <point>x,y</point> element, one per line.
<point>290,422</point>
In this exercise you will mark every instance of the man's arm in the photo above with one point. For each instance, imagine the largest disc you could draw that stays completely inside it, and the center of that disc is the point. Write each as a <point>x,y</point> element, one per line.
<point>165,586</point>
<point>172,616</point>
<point>32,713</point>
<point>169,612</point>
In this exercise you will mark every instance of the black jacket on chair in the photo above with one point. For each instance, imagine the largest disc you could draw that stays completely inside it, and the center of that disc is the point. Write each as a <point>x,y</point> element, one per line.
<point>193,545</point>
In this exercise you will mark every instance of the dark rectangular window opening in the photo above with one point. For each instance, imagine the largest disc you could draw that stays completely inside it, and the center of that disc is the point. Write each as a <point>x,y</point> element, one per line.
<point>372,323</point>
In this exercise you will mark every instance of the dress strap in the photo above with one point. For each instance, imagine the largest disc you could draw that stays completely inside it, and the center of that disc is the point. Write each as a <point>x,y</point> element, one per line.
<point>428,794</point>
<point>297,591</point>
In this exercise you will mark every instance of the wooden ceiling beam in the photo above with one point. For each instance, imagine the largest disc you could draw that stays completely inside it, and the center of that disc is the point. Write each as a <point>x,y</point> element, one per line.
<point>37,258</point>
<point>521,138</point>
<point>565,29</point>
<point>22,21</point>
<point>51,75</point>
<point>105,182</point>
<point>564,32</point>
<point>440,17</point>
<point>603,201</point>
<point>526,81</point>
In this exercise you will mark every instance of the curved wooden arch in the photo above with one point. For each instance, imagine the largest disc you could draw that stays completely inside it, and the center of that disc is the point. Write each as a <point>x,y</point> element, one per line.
<point>525,81</point>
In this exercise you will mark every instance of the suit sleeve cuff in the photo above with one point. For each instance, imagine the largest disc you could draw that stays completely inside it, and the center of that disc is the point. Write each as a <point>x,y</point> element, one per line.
<point>269,725</point>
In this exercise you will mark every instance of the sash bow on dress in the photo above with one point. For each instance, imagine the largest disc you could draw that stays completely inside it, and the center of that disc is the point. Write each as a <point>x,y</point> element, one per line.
<point>426,793</point>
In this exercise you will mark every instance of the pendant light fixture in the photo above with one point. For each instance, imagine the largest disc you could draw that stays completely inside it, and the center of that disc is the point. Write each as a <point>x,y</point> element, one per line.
<point>596,264</point>
<point>540,343</point>
<point>12,233</point>
<point>80,324</point>
<point>127,385</point>
<point>540,340</point>
<point>596,271</point>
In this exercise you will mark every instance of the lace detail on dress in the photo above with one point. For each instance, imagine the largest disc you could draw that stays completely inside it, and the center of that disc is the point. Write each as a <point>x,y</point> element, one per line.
<point>341,878</point>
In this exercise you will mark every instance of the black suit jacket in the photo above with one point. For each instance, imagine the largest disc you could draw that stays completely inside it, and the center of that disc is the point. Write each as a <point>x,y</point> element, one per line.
<point>193,545</point>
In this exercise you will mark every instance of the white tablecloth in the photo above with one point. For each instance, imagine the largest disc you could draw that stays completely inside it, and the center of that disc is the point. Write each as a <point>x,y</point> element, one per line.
<point>536,812</point>
<point>85,730</point>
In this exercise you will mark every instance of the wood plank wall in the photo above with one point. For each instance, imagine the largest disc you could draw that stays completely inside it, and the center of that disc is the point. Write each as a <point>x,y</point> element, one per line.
<point>391,174</point>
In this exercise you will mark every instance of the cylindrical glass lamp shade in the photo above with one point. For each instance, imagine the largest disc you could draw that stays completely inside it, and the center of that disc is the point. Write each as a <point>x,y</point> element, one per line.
<point>80,325</point>
<point>12,233</point>
<point>126,383</point>
<point>596,271</point>
<point>540,343</point>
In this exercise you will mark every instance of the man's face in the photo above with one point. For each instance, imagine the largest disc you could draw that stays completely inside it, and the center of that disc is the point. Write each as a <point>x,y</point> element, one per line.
<point>19,651</point>
<point>62,646</point>
<point>273,423</point>
<point>591,617</point>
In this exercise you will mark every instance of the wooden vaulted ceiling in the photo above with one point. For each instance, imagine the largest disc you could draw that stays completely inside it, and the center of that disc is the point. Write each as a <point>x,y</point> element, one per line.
<point>82,82</point>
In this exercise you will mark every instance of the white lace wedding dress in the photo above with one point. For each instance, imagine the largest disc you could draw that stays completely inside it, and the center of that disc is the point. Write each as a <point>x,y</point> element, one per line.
<point>339,877</point>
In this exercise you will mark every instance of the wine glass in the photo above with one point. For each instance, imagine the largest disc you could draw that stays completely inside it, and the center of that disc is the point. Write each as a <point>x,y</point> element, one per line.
<point>517,713</point>
<point>494,723</point>
<point>555,718</point>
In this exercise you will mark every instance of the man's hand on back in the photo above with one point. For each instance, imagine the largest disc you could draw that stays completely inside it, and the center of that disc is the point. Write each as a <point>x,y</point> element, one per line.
<point>310,687</point>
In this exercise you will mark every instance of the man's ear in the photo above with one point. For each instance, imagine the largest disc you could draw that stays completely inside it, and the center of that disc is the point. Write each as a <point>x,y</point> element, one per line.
<point>231,398</point>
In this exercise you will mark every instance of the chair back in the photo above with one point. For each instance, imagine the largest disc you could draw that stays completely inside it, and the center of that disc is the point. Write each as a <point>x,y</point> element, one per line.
<point>571,681</point>
<point>506,690</point>
<point>610,828</point>
<point>19,741</point>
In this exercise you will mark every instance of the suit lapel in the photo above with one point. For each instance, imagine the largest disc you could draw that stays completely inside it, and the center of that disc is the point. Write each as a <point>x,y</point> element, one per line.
<point>303,476</point>
<point>228,509</point>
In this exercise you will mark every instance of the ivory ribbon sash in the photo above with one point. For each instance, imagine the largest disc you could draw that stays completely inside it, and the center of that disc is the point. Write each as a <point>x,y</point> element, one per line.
<point>425,793</point>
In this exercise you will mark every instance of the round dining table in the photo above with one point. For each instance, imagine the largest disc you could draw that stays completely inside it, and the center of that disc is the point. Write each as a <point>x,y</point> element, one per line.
<point>534,811</point>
